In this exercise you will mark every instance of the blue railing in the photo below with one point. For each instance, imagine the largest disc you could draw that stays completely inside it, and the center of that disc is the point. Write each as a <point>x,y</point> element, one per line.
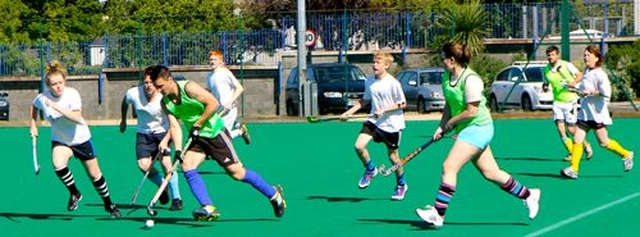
<point>335,31</point>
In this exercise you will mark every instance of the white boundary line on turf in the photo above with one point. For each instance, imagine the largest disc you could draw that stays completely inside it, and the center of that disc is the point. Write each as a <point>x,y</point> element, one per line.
<point>583,215</point>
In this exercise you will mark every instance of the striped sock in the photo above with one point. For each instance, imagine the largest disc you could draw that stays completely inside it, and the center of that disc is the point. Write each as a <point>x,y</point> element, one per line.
<point>103,190</point>
<point>198,187</point>
<point>445,193</point>
<point>515,188</point>
<point>66,177</point>
<point>258,183</point>
<point>617,148</point>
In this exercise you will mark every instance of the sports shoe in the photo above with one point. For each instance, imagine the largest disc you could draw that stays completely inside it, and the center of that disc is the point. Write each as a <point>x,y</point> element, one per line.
<point>627,162</point>
<point>72,205</point>
<point>366,178</point>
<point>245,133</point>
<point>164,197</point>
<point>206,213</point>
<point>533,202</point>
<point>278,202</point>
<point>588,150</point>
<point>431,216</point>
<point>113,210</point>
<point>398,193</point>
<point>569,173</point>
<point>176,204</point>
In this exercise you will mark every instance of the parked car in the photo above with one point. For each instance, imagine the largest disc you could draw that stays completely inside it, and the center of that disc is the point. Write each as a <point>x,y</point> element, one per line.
<point>340,85</point>
<point>4,106</point>
<point>527,93</point>
<point>423,89</point>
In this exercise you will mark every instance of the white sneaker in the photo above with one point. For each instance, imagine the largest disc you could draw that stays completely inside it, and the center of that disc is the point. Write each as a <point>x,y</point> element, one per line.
<point>569,173</point>
<point>430,215</point>
<point>627,162</point>
<point>533,202</point>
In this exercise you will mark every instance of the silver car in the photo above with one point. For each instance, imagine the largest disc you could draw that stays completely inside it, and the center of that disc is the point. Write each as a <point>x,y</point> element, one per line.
<point>423,89</point>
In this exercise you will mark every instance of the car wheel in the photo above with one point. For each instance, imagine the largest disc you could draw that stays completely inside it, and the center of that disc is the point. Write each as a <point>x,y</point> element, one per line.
<point>526,103</point>
<point>291,110</point>
<point>493,104</point>
<point>421,106</point>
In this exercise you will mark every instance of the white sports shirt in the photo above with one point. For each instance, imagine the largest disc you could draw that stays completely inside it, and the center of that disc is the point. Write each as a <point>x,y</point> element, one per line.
<point>595,108</point>
<point>64,130</point>
<point>222,84</point>
<point>384,93</point>
<point>151,118</point>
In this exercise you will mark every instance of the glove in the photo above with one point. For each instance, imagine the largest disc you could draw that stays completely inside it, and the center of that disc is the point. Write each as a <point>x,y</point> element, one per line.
<point>178,156</point>
<point>195,132</point>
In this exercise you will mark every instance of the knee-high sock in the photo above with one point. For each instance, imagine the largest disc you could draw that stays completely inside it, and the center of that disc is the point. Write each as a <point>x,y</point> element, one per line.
<point>514,187</point>
<point>445,194</point>
<point>103,190</point>
<point>258,183</point>
<point>156,178</point>
<point>617,148</point>
<point>198,187</point>
<point>173,186</point>
<point>568,144</point>
<point>576,155</point>
<point>66,177</point>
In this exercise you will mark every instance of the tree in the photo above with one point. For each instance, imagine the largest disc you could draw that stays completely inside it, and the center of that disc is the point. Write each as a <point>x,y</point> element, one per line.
<point>465,22</point>
<point>11,27</point>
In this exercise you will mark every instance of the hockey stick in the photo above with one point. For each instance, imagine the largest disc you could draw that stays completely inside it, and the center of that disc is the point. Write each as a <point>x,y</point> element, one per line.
<point>314,119</point>
<point>414,153</point>
<point>158,156</point>
<point>34,153</point>
<point>165,182</point>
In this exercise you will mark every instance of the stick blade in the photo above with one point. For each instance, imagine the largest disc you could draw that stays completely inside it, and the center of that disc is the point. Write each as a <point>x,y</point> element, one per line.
<point>312,119</point>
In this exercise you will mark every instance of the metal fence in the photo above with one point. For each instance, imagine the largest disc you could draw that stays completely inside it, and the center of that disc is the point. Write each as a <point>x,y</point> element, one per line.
<point>335,31</point>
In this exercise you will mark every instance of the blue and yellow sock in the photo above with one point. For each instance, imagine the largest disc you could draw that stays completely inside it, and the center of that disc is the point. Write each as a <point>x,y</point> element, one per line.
<point>198,187</point>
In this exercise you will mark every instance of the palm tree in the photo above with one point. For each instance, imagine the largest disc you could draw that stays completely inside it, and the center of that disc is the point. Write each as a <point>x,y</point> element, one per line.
<point>466,22</point>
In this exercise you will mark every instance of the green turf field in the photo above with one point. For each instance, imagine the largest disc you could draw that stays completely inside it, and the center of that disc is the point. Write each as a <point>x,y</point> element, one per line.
<point>316,165</point>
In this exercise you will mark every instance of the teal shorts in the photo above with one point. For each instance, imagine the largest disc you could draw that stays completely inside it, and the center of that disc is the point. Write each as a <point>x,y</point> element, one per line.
<point>477,135</point>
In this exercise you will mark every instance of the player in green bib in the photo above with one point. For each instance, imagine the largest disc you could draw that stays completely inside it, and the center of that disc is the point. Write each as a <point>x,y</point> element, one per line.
<point>467,115</point>
<point>196,108</point>
<point>561,75</point>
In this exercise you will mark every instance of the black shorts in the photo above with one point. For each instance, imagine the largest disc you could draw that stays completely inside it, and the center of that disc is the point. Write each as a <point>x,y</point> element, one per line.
<point>147,144</point>
<point>82,151</point>
<point>590,124</point>
<point>390,139</point>
<point>220,148</point>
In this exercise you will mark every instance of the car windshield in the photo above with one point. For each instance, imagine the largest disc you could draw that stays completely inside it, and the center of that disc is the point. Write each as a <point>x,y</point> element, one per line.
<point>339,73</point>
<point>429,78</point>
<point>534,74</point>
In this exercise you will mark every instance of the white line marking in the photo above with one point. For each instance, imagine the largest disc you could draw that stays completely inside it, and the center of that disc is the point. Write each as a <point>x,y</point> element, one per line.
<point>583,215</point>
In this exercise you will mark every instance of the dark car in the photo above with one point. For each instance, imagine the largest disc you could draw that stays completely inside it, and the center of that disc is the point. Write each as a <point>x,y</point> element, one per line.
<point>423,89</point>
<point>4,106</point>
<point>340,85</point>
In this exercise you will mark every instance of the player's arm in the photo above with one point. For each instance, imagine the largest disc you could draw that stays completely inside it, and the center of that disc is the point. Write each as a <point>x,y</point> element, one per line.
<point>174,133</point>
<point>123,114</point>
<point>207,99</point>
<point>356,106</point>
<point>577,74</point>
<point>73,115</point>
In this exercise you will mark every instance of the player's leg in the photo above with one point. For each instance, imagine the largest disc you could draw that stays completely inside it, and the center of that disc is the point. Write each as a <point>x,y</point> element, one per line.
<point>578,143</point>
<point>487,165</point>
<point>85,153</point>
<point>366,134</point>
<point>612,145</point>
<point>221,149</point>
<point>146,150</point>
<point>60,155</point>
<point>174,188</point>
<point>193,157</point>
<point>392,141</point>
<point>571,119</point>
<point>458,156</point>
<point>560,112</point>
